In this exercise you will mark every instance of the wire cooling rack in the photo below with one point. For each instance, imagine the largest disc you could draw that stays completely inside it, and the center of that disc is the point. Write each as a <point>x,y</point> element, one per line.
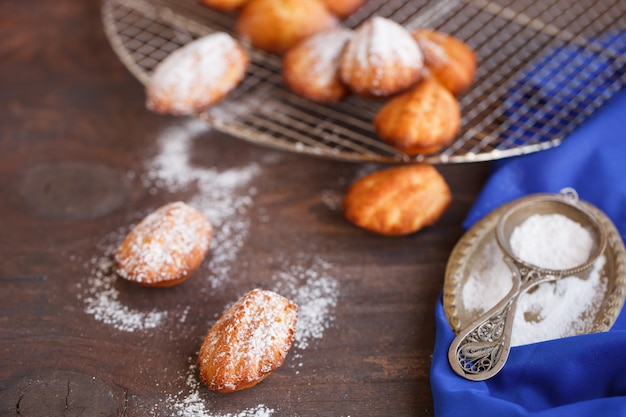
<point>544,67</point>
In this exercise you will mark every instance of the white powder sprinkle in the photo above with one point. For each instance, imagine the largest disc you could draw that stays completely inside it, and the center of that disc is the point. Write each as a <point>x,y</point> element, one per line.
<point>222,197</point>
<point>381,47</point>
<point>332,199</point>
<point>193,405</point>
<point>102,299</point>
<point>325,53</point>
<point>157,248</point>
<point>192,75</point>
<point>434,54</point>
<point>255,335</point>
<point>226,199</point>
<point>552,310</point>
<point>316,294</point>
<point>389,40</point>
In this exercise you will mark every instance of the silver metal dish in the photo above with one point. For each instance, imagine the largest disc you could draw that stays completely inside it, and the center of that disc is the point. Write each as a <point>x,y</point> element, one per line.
<point>480,350</point>
<point>543,69</point>
<point>465,256</point>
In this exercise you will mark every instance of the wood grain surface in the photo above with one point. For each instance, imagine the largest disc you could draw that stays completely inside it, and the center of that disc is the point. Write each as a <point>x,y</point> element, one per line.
<point>82,160</point>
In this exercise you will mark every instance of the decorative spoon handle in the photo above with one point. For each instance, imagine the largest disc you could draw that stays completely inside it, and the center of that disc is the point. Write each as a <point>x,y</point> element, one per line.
<point>481,350</point>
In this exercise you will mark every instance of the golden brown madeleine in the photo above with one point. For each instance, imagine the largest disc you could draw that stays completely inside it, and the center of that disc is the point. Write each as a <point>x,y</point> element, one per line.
<point>166,247</point>
<point>277,25</point>
<point>421,120</point>
<point>224,5</point>
<point>248,342</point>
<point>311,68</point>
<point>398,201</point>
<point>382,59</point>
<point>196,76</point>
<point>344,8</point>
<point>447,58</point>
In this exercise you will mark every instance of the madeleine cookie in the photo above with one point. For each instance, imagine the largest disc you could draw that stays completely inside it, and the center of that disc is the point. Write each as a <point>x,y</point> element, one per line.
<point>166,247</point>
<point>382,59</point>
<point>311,68</point>
<point>277,25</point>
<point>447,58</point>
<point>224,5</point>
<point>343,8</point>
<point>196,76</point>
<point>398,201</point>
<point>421,120</point>
<point>248,342</point>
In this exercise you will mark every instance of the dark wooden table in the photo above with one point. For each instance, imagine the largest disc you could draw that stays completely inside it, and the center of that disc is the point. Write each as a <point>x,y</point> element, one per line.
<point>81,160</point>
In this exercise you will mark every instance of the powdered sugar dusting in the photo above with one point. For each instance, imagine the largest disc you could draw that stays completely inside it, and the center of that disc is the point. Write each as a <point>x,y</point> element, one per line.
<point>434,54</point>
<point>381,49</point>
<point>193,404</point>
<point>223,197</point>
<point>102,298</point>
<point>166,245</point>
<point>254,334</point>
<point>195,74</point>
<point>326,49</point>
<point>315,292</point>
<point>332,199</point>
<point>389,40</point>
<point>226,198</point>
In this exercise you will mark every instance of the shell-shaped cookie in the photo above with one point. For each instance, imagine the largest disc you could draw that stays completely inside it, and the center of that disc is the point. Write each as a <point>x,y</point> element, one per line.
<point>248,342</point>
<point>421,120</point>
<point>398,201</point>
<point>447,58</point>
<point>277,25</point>
<point>166,247</point>
<point>197,75</point>
<point>311,68</point>
<point>382,59</point>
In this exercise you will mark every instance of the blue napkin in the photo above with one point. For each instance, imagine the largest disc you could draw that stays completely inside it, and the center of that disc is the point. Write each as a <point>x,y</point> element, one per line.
<point>580,376</point>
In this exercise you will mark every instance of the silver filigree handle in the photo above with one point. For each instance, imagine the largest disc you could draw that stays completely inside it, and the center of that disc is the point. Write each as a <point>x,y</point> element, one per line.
<point>480,350</point>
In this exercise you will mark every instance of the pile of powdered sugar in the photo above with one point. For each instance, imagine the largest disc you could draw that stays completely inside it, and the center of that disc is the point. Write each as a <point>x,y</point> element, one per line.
<point>562,308</point>
<point>226,198</point>
<point>551,241</point>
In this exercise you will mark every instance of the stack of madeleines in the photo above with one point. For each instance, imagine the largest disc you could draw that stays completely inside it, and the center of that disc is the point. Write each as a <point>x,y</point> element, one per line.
<point>417,73</point>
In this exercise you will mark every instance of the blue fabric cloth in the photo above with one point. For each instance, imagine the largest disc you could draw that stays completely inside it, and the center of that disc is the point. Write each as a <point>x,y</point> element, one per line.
<point>582,376</point>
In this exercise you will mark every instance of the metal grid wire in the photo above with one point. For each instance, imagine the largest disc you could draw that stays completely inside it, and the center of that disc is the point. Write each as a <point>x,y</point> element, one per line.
<point>544,67</point>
